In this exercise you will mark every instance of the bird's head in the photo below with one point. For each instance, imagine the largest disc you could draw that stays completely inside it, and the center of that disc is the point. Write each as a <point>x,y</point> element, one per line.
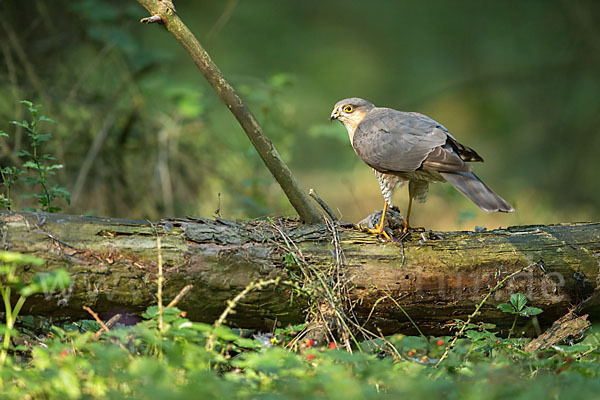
<point>350,112</point>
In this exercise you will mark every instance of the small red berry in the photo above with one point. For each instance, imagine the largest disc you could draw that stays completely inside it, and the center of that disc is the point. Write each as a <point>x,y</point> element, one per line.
<point>310,357</point>
<point>310,342</point>
<point>183,314</point>
<point>331,346</point>
<point>440,342</point>
<point>424,359</point>
<point>63,353</point>
<point>411,353</point>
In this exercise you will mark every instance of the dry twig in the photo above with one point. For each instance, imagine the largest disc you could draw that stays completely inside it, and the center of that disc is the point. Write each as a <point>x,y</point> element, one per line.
<point>180,296</point>
<point>98,320</point>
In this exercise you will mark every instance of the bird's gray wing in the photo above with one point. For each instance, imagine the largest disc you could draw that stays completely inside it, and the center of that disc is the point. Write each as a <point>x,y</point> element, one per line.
<point>390,140</point>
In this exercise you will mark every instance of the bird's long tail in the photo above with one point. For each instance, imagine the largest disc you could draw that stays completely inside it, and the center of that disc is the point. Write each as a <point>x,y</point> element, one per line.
<point>477,191</point>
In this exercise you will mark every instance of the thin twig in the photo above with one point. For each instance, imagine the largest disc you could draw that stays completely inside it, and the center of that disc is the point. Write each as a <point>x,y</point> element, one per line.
<point>113,320</point>
<point>333,288</point>
<point>312,193</point>
<point>160,284</point>
<point>98,320</point>
<point>160,279</point>
<point>180,296</point>
<point>231,304</point>
<point>409,318</point>
<point>222,20</point>
<point>104,327</point>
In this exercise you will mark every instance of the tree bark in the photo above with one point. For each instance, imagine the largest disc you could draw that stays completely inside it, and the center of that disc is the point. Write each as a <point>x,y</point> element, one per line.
<point>436,277</point>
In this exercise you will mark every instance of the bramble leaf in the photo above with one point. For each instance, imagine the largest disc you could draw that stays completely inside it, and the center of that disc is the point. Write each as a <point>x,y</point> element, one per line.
<point>518,300</point>
<point>507,308</point>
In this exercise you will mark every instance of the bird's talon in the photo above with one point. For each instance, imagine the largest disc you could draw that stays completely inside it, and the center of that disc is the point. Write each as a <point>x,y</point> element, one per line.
<point>379,231</point>
<point>406,228</point>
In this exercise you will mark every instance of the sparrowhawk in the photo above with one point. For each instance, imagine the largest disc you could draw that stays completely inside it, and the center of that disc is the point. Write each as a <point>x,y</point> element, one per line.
<point>408,146</point>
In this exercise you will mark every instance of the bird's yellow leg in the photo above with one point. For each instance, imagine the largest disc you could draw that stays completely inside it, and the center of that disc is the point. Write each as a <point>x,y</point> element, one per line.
<point>405,224</point>
<point>379,228</point>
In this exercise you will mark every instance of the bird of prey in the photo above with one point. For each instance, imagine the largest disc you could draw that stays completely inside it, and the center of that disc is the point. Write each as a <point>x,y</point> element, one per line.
<point>408,146</point>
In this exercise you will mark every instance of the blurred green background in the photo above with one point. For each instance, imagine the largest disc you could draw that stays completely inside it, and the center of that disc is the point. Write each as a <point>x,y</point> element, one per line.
<point>141,134</point>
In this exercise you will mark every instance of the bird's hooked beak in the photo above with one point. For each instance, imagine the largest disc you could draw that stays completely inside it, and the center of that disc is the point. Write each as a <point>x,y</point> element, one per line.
<point>334,115</point>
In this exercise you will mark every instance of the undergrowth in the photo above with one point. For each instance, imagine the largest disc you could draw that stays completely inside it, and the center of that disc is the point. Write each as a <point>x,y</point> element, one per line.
<point>142,361</point>
<point>168,356</point>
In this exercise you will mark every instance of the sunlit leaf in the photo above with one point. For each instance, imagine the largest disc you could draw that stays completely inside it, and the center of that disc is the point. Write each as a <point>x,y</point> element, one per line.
<point>507,308</point>
<point>47,282</point>
<point>18,258</point>
<point>518,300</point>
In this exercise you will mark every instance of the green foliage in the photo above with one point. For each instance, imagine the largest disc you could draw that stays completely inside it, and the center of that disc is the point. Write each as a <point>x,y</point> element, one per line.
<point>518,307</point>
<point>39,167</point>
<point>41,283</point>
<point>143,361</point>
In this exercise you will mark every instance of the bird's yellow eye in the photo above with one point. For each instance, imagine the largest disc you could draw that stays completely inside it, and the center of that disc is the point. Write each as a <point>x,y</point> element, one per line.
<point>348,109</point>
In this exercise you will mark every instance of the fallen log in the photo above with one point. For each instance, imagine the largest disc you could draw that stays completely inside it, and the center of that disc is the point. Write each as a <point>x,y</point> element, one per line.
<point>435,277</point>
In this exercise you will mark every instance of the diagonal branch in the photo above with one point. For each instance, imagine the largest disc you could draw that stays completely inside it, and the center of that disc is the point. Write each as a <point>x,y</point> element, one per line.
<point>163,12</point>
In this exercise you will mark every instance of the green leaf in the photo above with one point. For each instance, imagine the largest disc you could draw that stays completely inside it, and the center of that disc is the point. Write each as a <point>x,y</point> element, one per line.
<point>47,282</point>
<point>24,124</point>
<point>531,311</point>
<point>225,333</point>
<point>477,336</point>
<point>22,153</point>
<point>55,166</point>
<point>44,118</point>
<point>518,300</point>
<point>61,192</point>
<point>507,308</point>
<point>18,258</point>
<point>43,137</point>
<point>30,164</point>
<point>151,312</point>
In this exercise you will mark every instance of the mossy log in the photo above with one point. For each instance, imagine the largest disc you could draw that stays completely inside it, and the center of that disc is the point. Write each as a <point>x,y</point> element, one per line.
<point>435,277</point>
